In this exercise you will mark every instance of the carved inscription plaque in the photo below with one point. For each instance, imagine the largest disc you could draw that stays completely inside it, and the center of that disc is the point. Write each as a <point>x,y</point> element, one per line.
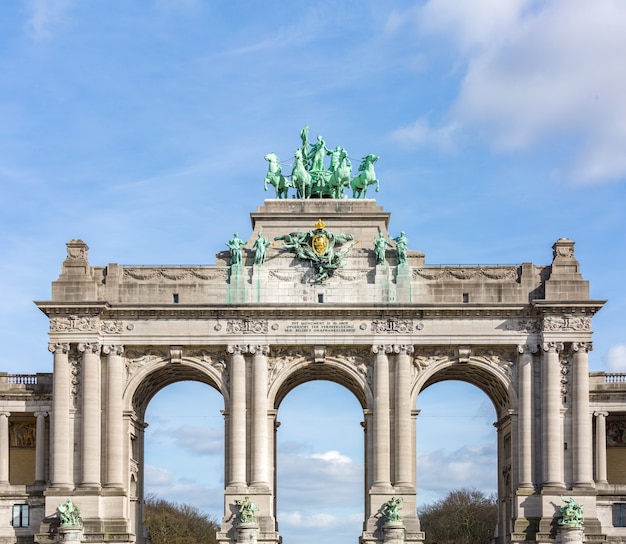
<point>320,327</point>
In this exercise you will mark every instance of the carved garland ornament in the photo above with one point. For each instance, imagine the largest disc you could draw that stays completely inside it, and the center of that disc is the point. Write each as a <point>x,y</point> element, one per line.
<point>567,323</point>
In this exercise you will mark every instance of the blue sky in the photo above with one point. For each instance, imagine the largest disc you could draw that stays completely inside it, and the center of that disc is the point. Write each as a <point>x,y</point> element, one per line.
<point>141,126</point>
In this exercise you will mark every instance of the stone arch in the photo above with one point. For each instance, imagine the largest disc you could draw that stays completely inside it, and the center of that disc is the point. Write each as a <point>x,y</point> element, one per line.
<point>350,370</point>
<point>156,372</point>
<point>492,372</point>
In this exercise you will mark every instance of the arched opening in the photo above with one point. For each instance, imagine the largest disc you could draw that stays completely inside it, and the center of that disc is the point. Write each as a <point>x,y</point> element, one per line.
<point>456,441</point>
<point>320,457</point>
<point>184,446</point>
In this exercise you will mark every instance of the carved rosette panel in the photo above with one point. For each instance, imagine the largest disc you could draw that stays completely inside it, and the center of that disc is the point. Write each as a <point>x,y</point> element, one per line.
<point>527,326</point>
<point>115,327</point>
<point>74,323</point>
<point>567,323</point>
<point>247,326</point>
<point>395,326</point>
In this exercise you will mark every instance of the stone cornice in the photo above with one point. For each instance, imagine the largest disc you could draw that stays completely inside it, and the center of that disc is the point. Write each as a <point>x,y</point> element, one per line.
<point>586,307</point>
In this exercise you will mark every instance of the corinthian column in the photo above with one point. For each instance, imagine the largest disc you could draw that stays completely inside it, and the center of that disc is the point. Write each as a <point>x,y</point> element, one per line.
<point>581,418</point>
<point>91,422</point>
<point>237,427</point>
<point>60,421</point>
<point>40,447</point>
<point>525,413</point>
<point>260,444</point>
<point>403,437</point>
<point>551,432</point>
<point>382,464</point>
<point>4,448</point>
<point>114,416</point>
<point>601,477</point>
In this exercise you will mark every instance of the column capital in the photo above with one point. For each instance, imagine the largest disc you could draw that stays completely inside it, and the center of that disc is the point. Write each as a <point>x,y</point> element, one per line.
<point>90,347</point>
<point>600,414</point>
<point>113,349</point>
<point>40,414</point>
<point>3,413</point>
<point>552,347</point>
<point>59,347</point>
<point>583,347</point>
<point>259,349</point>
<point>403,349</point>
<point>237,349</point>
<point>527,348</point>
<point>382,348</point>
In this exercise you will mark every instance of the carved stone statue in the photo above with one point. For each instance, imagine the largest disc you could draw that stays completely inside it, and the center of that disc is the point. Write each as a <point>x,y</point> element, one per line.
<point>235,244</point>
<point>571,513</point>
<point>69,514</point>
<point>401,247</point>
<point>380,248</point>
<point>247,510</point>
<point>260,247</point>
<point>391,510</point>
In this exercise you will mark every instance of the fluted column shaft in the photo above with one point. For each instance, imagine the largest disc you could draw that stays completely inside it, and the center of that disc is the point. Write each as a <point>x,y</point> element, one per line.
<point>60,421</point>
<point>91,422</point>
<point>114,417</point>
<point>581,418</point>
<point>382,465</point>
<point>260,444</point>
<point>4,447</point>
<point>237,416</point>
<point>403,436</point>
<point>551,432</point>
<point>40,447</point>
<point>601,475</point>
<point>525,381</point>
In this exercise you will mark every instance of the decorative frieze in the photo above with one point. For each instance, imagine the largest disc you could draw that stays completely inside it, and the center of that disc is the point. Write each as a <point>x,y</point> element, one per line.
<point>74,323</point>
<point>247,326</point>
<point>566,323</point>
<point>394,325</point>
<point>499,273</point>
<point>174,274</point>
<point>527,326</point>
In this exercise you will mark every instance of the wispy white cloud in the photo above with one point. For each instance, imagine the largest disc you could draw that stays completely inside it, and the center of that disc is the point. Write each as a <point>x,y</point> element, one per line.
<point>535,74</point>
<point>45,17</point>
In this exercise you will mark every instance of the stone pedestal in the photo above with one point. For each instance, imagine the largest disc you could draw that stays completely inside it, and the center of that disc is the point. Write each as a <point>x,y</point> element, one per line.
<point>565,535</point>
<point>237,284</point>
<point>403,283</point>
<point>71,534</point>
<point>247,533</point>
<point>393,532</point>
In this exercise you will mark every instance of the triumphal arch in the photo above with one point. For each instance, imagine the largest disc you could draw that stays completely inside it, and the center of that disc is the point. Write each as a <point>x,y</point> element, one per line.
<point>318,290</point>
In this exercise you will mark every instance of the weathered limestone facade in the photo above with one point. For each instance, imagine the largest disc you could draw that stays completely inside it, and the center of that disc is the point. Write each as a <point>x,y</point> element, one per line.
<point>119,334</point>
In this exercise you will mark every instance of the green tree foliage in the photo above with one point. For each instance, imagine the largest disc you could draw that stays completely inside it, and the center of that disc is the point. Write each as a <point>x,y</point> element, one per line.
<point>170,523</point>
<point>465,516</point>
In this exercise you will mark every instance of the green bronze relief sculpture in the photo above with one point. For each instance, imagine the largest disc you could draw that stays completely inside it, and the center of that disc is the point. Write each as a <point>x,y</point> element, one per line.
<point>311,179</point>
<point>247,511</point>
<point>391,510</point>
<point>571,513</point>
<point>69,514</point>
<point>318,247</point>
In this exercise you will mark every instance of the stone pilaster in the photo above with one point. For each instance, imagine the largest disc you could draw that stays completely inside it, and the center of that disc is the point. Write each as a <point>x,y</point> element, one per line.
<point>601,475</point>
<point>40,448</point>
<point>260,454</point>
<point>551,431</point>
<point>237,427</point>
<point>525,415</point>
<point>4,448</point>
<point>581,418</point>
<point>60,423</point>
<point>403,436</point>
<point>382,461</point>
<point>91,423</point>
<point>114,416</point>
